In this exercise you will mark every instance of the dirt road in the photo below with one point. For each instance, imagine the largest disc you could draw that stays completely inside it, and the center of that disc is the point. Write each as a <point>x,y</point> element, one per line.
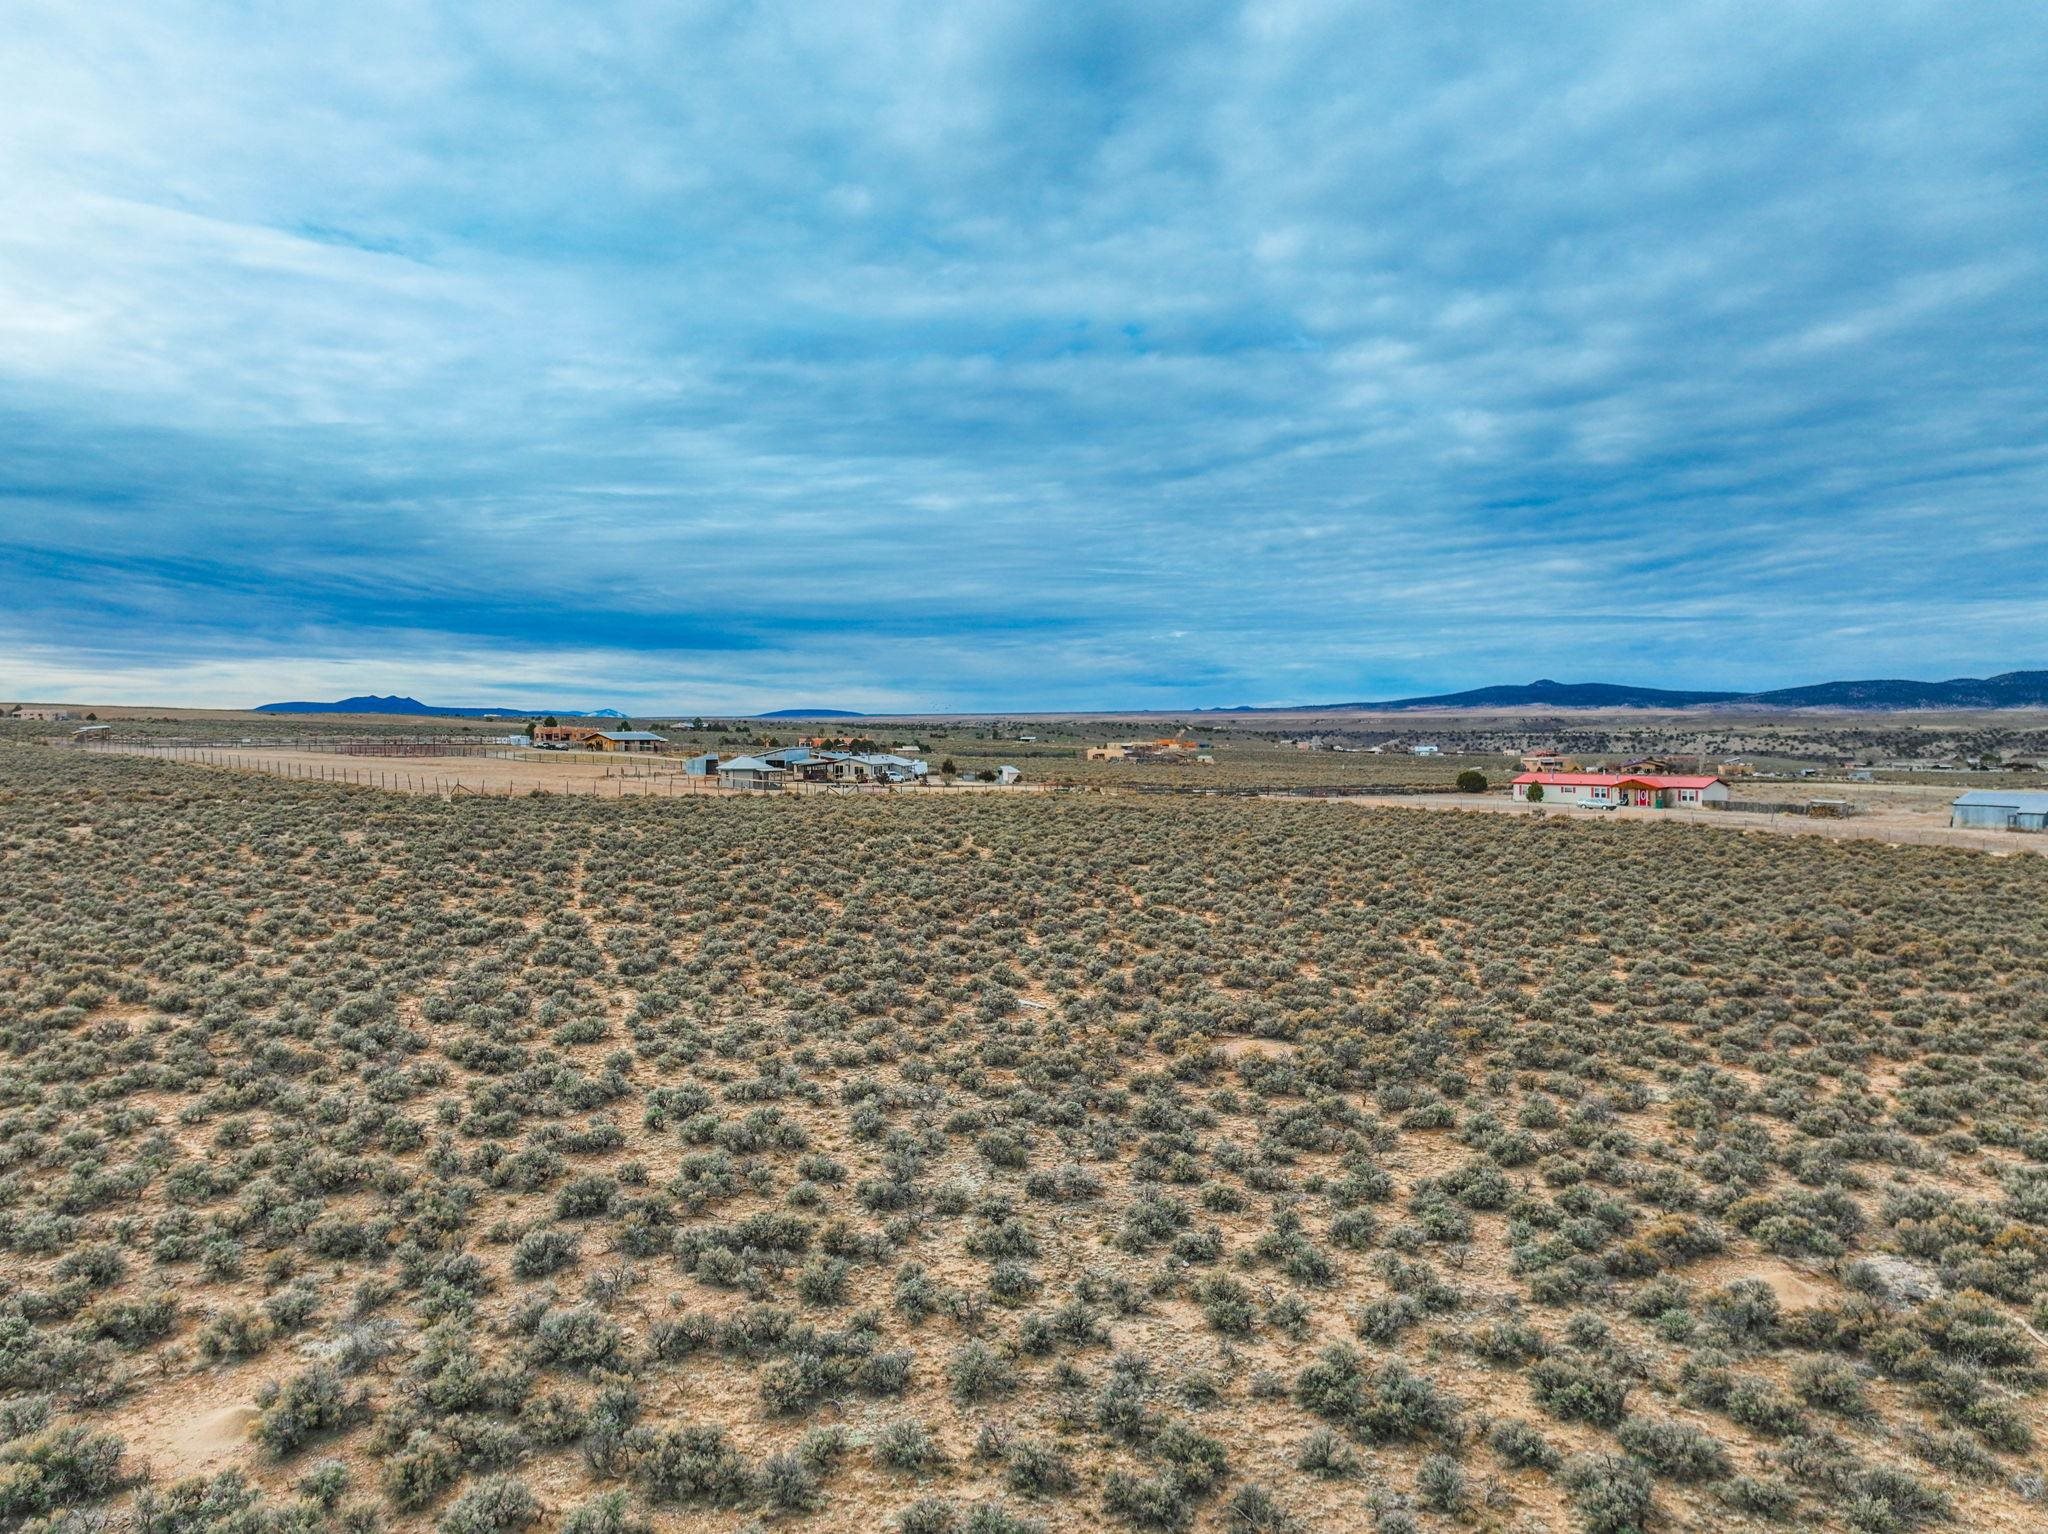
<point>1896,818</point>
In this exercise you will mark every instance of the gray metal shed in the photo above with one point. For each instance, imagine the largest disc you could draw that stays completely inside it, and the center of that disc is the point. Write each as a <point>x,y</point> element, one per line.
<point>2001,809</point>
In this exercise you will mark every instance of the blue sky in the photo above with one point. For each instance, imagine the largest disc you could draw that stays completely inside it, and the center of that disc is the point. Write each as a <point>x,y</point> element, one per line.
<point>991,356</point>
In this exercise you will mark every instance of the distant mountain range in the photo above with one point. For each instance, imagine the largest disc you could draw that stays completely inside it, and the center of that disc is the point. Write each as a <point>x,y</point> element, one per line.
<point>428,710</point>
<point>2011,689</point>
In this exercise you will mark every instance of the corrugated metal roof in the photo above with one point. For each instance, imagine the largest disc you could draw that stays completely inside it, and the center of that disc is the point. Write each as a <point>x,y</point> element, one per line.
<point>2026,801</point>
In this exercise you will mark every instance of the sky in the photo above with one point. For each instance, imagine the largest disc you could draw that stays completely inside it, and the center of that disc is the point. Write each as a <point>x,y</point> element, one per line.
<point>991,356</point>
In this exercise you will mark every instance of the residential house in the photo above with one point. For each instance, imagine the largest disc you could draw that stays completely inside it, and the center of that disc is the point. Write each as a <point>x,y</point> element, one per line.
<point>877,767</point>
<point>751,772</point>
<point>1619,790</point>
<point>1173,747</point>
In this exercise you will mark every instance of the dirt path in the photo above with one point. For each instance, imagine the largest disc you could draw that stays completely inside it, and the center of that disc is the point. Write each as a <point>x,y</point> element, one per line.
<point>1919,824</point>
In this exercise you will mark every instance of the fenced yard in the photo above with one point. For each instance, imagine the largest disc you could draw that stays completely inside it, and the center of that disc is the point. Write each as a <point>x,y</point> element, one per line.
<point>454,768</point>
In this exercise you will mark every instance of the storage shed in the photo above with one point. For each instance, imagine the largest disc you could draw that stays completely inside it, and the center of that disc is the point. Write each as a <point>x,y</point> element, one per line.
<point>2001,809</point>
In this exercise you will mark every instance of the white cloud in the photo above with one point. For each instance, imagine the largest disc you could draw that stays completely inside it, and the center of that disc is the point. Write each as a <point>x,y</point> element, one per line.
<point>911,357</point>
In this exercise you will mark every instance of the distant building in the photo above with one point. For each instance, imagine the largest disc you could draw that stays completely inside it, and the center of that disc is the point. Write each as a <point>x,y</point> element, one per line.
<point>877,767</point>
<point>1618,790</point>
<point>1548,761</point>
<point>47,715</point>
<point>625,740</point>
<point>563,734</point>
<point>1172,747</point>
<point>2000,809</point>
<point>1007,775</point>
<point>1424,751</point>
<point>701,767</point>
<point>751,772</point>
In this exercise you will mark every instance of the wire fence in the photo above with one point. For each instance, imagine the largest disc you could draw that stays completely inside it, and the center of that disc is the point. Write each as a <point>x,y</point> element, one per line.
<point>594,775</point>
<point>503,773</point>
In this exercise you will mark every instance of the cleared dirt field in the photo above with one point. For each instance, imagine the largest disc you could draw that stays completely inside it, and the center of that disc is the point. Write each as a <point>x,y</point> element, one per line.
<point>1897,816</point>
<point>582,773</point>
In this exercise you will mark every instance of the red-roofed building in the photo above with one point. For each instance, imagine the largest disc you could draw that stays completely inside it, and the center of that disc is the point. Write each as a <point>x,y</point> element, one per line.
<point>1624,790</point>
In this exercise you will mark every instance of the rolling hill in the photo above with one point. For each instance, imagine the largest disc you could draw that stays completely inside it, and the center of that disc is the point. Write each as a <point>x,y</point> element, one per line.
<point>2011,689</point>
<point>413,706</point>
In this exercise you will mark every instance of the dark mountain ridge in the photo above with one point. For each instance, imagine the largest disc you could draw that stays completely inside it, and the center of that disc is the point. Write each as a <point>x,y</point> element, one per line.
<point>2010,689</point>
<point>413,707</point>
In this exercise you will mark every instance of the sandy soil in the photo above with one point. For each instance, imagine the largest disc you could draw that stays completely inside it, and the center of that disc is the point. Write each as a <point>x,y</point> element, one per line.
<point>186,1438</point>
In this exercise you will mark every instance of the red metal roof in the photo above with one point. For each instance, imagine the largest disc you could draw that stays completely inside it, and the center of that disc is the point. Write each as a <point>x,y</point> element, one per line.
<point>1614,779</point>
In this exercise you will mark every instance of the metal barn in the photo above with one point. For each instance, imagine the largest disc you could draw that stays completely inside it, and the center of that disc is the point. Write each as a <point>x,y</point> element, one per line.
<point>2001,809</point>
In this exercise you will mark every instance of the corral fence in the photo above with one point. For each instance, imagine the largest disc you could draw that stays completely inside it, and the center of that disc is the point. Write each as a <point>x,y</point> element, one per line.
<point>316,745</point>
<point>582,775</point>
<point>1812,809</point>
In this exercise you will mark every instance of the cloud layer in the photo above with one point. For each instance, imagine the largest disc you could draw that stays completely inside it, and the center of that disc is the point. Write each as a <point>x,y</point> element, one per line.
<point>1016,356</point>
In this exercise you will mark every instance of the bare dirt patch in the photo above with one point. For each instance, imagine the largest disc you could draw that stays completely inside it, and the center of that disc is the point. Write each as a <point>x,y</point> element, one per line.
<point>198,1441</point>
<point>1256,1049</point>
